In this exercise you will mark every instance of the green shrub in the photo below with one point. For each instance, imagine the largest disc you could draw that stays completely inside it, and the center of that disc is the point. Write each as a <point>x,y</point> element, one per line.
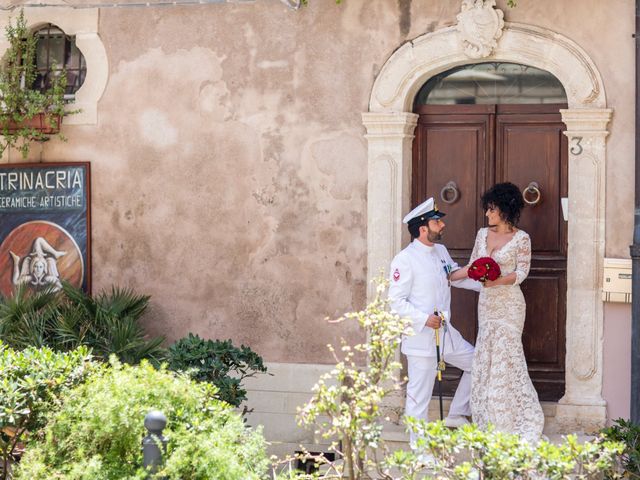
<point>348,405</point>
<point>495,455</point>
<point>31,383</point>
<point>628,433</point>
<point>346,402</point>
<point>218,362</point>
<point>21,102</point>
<point>97,433</point>
<point>108,323</point>
<point>26,318</point>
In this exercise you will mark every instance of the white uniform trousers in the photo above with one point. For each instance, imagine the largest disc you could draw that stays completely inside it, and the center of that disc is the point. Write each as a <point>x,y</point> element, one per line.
<point>422,376</point>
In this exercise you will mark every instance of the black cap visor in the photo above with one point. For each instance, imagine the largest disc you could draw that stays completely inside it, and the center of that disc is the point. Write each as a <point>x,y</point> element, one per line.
<point>432,215</point>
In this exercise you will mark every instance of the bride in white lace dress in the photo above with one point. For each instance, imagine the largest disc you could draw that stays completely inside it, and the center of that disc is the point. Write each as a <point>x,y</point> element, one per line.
<point>502,393</point>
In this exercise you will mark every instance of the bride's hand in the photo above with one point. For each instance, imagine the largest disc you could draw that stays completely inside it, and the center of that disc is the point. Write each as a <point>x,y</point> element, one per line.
<point>490,283</point>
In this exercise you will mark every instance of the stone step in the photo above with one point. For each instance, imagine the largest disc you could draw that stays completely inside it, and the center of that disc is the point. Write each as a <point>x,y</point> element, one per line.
<point>395,431</point>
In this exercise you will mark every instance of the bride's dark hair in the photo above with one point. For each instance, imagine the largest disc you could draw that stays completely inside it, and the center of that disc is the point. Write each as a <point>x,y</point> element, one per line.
<point>507,198</point>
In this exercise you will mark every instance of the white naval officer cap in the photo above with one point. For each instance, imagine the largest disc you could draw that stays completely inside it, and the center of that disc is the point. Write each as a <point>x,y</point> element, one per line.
<point>427,210</point>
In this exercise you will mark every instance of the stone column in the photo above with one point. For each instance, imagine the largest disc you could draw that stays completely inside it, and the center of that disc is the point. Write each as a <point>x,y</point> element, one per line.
<point>582,408</point>
<point>390,137</point>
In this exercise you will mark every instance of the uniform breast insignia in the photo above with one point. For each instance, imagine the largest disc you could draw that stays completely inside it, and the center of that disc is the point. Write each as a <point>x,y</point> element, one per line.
<point>396,275</point>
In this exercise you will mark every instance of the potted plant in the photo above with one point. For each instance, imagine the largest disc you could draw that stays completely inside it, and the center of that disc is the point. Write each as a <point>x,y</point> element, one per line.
<point>27,114</point>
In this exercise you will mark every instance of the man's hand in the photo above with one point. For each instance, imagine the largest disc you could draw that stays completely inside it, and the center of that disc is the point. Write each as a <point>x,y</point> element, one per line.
<point>433,321</point>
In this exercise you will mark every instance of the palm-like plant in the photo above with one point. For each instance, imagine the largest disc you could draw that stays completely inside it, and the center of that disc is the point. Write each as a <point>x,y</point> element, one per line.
<point>109,323</point>
<point>26,317</point>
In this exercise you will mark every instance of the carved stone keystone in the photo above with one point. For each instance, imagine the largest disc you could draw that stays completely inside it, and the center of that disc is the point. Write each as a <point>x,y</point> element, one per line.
<point>480,26</point>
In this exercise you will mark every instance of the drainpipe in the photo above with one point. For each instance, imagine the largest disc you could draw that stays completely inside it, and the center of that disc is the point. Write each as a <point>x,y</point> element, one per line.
<point>635,250</point>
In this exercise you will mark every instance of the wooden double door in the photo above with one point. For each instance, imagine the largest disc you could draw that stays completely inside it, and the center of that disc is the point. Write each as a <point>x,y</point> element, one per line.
<point>459,151</point>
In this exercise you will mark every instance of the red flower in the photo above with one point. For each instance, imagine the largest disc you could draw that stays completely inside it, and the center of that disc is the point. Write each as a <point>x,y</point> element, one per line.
<point>479,271</point>
<point>493,274</point>
<point>484,268</point>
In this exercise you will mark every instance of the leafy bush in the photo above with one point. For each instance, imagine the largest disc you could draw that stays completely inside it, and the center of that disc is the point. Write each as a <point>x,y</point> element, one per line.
<point>491,454</point>
<point>20,102</point>
<point>347,405</point>
<point>31,383</point>
<point>346,402</point>
<point>108,323</point>
<point>628,433</point>
<point>97,433</point>
<point>218,362</point>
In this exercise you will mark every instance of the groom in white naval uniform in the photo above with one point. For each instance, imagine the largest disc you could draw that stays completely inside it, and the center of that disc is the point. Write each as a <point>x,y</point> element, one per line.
<point>419,285</point>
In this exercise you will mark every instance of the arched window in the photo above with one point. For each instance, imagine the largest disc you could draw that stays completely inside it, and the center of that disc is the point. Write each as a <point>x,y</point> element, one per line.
<point>56,51</point>
<point>491,84</point>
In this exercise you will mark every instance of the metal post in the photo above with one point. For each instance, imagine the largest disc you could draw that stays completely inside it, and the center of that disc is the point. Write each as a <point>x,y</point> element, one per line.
<point>635,250</point>
<point>154,445</point>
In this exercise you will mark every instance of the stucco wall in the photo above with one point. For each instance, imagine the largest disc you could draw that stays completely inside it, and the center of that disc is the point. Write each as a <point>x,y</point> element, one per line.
<point>229,164</point>
<point>604,30</point>
<point>616,388</point>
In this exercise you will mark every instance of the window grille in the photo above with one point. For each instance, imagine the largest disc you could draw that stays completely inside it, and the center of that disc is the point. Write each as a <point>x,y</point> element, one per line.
<point>56,51</point>
<point>492,83</point>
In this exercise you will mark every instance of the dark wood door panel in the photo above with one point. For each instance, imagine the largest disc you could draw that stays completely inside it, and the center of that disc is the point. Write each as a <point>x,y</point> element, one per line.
<point>458,109</point>
<point>530,109</point>
<point>460,144</point>
<point>544,325</point>
<point>550,387</point>
<point>479,145</point>
<point>529,149</point>
<point>464,313</point>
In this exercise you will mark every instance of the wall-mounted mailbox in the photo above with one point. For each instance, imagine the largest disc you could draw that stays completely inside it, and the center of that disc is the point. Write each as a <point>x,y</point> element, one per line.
<point>617,280</point>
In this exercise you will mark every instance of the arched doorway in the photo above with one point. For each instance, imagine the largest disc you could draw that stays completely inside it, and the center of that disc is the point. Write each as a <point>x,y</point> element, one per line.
<point>484,123</point>
<point>390,124</point>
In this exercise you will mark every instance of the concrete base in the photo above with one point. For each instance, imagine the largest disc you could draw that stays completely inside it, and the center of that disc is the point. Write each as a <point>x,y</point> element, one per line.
<point>276,398</point>
<point>586,419</point>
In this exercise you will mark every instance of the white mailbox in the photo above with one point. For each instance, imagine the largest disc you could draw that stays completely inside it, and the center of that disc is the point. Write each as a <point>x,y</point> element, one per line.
<point>617,280</point>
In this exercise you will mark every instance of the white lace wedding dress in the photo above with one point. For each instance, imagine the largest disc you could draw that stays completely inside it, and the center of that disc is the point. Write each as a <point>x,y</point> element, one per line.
<point>502,393</point>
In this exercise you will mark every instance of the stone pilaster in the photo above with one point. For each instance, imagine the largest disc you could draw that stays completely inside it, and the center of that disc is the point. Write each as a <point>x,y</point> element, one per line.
<point>390,137</point>
<point>582,408</point>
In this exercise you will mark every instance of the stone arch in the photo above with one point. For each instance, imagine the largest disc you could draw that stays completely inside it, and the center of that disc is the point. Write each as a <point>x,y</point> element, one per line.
<point>417,61</point>
<point>390,123</point>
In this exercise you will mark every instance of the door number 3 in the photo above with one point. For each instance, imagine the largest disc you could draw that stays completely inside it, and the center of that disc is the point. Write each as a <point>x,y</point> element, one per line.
<point>576,148</point>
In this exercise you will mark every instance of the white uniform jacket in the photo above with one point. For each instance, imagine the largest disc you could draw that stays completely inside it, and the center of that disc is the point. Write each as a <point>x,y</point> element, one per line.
<point>419,285</point>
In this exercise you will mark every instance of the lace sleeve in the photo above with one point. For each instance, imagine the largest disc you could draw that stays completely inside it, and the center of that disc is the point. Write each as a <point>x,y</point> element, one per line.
<point>475,254</point>
<point>523,258</point>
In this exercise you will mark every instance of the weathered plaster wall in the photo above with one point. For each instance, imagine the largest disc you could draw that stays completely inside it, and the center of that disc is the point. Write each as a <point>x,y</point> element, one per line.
<point>604,30</point>
<point>229,164</point>
<point>616,388</point>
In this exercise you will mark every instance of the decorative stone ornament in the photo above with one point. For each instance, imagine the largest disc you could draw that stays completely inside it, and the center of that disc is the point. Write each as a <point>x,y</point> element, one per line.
<point>480,25</point>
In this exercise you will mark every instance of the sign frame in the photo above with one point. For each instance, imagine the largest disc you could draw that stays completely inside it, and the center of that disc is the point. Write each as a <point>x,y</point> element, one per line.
<point>27,217</point>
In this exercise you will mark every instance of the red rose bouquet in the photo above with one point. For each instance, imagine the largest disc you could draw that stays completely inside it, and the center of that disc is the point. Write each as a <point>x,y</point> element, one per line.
<point>483,269</point>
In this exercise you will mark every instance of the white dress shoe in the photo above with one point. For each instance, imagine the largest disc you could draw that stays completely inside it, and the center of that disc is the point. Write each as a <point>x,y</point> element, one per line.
<point>455,421</point>
<point>426,459</point>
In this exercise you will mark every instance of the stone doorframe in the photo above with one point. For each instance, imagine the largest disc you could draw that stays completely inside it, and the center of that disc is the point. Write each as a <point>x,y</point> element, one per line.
<point>390,124</point>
